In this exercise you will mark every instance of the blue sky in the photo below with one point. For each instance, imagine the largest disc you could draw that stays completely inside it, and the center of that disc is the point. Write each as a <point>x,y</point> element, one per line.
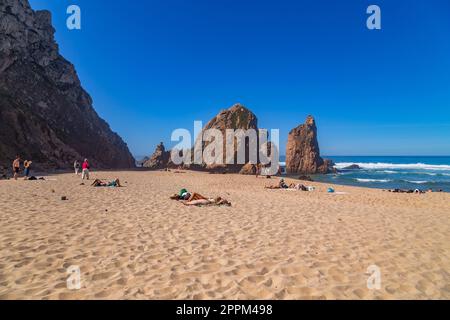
<point>154,66</point>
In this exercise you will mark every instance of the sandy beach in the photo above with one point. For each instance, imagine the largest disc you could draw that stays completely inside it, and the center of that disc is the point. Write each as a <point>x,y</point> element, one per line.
<point>136,243</point>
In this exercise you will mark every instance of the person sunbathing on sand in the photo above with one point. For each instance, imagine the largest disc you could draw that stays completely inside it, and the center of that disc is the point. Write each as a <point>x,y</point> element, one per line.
<point>417,191</point>
<point>293,186</point>
<point>300,187</point>
<point>280,185</point>
<point>196,199</point>
<point>205,202</point>
<point>183,195</point>
<point>100,183</point>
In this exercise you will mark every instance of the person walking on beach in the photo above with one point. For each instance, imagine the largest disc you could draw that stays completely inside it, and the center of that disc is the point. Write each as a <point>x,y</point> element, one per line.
<point>76,166</point>
<point>27,165</point>
<point>85,167</point>
<point>16,167</point>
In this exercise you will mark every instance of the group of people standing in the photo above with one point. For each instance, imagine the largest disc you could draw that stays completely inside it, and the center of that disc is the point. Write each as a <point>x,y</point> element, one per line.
<point>85,167</point>
<point>17,166</point>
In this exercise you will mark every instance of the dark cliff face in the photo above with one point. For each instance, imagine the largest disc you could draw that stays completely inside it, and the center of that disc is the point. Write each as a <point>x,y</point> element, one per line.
<point>45,114</point>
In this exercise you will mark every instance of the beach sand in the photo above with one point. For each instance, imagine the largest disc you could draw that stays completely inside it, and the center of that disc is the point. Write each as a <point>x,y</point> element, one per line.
<point>135,243</point>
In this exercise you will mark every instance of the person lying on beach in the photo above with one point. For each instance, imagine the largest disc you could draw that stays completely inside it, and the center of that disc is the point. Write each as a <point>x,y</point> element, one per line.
<point>196,199</point>
<point>187,196</point>
<point>417,191</point>
<point>182,195</point>
<point>207,202</point>
<point>281,185</point>
<point>100,183</point>
<point>298,186</point>
<point>33,178</point>
<point>293,186</point>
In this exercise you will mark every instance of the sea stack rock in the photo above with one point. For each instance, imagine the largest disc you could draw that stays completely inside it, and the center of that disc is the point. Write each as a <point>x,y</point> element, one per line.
<point>159,159</point>
<point>352,167</point>
<point>45,114</point>
<point>302,151</point>
<point>236,117</point>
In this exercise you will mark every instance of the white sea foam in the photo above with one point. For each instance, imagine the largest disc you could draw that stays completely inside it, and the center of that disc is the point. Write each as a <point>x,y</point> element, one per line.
<point>373,180</point>
<point>417,182</point>
<point>427,173</point>
<point>381,166</point>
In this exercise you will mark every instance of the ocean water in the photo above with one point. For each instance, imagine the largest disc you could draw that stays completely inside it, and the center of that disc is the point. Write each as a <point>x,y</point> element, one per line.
<point>391,172</point>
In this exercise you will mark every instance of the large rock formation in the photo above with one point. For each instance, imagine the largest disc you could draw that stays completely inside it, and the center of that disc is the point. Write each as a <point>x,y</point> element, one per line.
<point>159,159</point>
<point>236,117</point>
<point>45,115</point>
<point>302,151</point>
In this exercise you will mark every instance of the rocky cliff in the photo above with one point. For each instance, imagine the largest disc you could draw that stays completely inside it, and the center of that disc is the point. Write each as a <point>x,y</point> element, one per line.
<point>45,115</point>
<point>159,159</point>
<point>302,151</point>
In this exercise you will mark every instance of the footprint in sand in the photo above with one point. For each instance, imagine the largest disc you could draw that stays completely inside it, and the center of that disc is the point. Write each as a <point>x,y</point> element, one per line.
<point>103,276</point>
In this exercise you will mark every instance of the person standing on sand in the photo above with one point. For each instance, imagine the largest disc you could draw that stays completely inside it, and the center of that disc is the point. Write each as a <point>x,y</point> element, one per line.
<point>27,165</point>
<point>16,167</point>
<point>258,170</point>
<point>76,166</point>
<point>85,167</point>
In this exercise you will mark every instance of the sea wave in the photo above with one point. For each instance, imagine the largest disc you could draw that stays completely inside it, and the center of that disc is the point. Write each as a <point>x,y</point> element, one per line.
<point>426,182</point>
<point>433,174</point>
<point>373,180</point>
<point>418,182</point>
<point>381,166</point>
<point>427,173</point>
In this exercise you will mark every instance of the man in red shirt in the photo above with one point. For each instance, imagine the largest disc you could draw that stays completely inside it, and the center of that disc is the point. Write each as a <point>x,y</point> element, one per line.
<point>85,167</point>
